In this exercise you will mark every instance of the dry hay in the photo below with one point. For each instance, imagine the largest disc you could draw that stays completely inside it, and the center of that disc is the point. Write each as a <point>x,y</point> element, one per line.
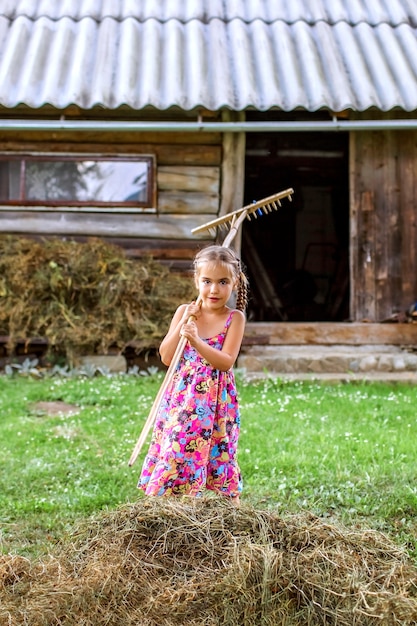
<point>84,297</point>
<point>167,562</point>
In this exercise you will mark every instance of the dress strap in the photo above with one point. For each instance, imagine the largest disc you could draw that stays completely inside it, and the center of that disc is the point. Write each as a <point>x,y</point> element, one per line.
<point>229,320</point>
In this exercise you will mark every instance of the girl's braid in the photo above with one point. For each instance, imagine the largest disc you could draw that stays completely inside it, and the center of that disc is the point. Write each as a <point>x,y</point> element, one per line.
<point>242,291</point>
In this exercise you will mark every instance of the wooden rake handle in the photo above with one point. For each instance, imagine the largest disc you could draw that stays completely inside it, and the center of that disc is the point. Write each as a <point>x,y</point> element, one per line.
<point>152,414</point>
<point>165,384</point>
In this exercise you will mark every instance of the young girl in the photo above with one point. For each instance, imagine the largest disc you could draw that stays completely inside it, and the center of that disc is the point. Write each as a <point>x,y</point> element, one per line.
<point>196,431</point>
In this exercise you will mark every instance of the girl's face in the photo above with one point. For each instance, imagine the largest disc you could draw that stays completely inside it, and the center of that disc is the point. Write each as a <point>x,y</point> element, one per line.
<point>215,283</point>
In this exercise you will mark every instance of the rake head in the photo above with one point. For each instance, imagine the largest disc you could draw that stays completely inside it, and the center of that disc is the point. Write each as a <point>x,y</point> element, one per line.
<point>264,206</point>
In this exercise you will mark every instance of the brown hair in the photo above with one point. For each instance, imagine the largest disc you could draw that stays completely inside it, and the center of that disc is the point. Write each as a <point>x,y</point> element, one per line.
<point>226,256</point>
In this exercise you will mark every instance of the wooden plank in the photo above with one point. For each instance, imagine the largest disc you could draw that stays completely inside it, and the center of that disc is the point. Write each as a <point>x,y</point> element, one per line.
<point>111,138</point>
<point>162,254</point>
<point>177,255</point>
<point>383,224</point>
<point>73,223</point>
<point>166,154</point>
<point>184,154</point>
<point>233,169</point>
<point>389,278</point>
<point>367,256</point>
<point>382,235</point>
<point>328,333</point>
<point>354,203</point>
<point>162,249</point>
<point>185,248</point>
<point>408,218</point>
<point>187,202</point>
<point>362,248</point>
<point>188,178</point>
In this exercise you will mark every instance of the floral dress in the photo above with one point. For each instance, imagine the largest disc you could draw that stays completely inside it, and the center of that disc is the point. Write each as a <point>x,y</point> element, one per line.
<point>194,441</point>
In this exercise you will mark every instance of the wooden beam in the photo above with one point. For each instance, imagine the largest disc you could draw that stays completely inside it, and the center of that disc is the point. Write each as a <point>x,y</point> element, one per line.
<point>328,333</point>
<point>166,154</point>
<point>79,223</point>
<point>187,202</point>
<point>233,170</point>
<point>188,178</point>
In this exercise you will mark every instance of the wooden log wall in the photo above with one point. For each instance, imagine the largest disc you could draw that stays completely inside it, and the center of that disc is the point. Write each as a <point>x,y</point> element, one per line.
<point>192,181</point>
<point>383,223</point>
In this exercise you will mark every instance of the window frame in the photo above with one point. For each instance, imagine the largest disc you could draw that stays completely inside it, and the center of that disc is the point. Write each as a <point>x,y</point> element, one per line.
<point>147,206</point>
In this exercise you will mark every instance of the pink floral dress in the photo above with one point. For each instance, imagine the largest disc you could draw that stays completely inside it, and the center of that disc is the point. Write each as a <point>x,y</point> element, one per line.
<point>194,441</point>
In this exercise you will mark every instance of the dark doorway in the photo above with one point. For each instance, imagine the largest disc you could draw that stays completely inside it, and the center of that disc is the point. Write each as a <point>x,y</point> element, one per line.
<point>297,257</point>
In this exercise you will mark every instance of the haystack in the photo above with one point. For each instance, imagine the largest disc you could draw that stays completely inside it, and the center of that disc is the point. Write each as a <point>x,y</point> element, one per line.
<point>168,562</point>
<point>85,298</point>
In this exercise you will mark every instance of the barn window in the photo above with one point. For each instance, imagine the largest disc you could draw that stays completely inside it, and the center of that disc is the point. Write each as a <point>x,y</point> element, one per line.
<point>83,180</point>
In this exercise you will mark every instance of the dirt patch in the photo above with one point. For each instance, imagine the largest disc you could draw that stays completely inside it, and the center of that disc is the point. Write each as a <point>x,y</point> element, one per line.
<point>56,407</point>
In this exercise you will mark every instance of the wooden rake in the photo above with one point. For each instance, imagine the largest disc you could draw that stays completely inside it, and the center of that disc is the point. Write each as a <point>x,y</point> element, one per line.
<point>233,221</point>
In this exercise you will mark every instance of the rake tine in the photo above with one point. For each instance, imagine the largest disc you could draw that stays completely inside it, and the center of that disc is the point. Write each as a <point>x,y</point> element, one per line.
<point>256,209</point>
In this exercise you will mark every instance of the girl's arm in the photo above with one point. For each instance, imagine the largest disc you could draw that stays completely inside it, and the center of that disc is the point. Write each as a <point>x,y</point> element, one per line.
<point>225,358</point>
<point>170,341</point>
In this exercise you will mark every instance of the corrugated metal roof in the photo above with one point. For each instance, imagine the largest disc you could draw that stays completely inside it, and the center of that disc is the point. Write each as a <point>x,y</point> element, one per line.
<point>394,12</point>
<point>236,54</point>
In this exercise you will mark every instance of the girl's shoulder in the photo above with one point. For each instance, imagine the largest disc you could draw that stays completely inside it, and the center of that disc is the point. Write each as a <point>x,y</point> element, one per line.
<point>236,314</point>
<point>179,312</point>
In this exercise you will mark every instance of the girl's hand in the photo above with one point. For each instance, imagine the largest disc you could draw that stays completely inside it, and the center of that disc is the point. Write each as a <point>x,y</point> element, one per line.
<point>191,309</point>
<point>189,330</point>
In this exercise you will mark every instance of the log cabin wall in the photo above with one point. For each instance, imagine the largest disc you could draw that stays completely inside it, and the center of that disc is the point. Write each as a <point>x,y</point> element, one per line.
<point>195,182</point>
<point>201,175</point>
<point>383,246</point>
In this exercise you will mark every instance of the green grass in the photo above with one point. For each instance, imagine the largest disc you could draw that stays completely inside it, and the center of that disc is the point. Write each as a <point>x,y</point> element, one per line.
<point>343,451</point>
<point>346,451</point>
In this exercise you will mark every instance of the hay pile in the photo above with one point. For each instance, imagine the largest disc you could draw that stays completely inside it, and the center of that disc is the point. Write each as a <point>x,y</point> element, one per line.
<point>84,297</point>
<point>167,562</point>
